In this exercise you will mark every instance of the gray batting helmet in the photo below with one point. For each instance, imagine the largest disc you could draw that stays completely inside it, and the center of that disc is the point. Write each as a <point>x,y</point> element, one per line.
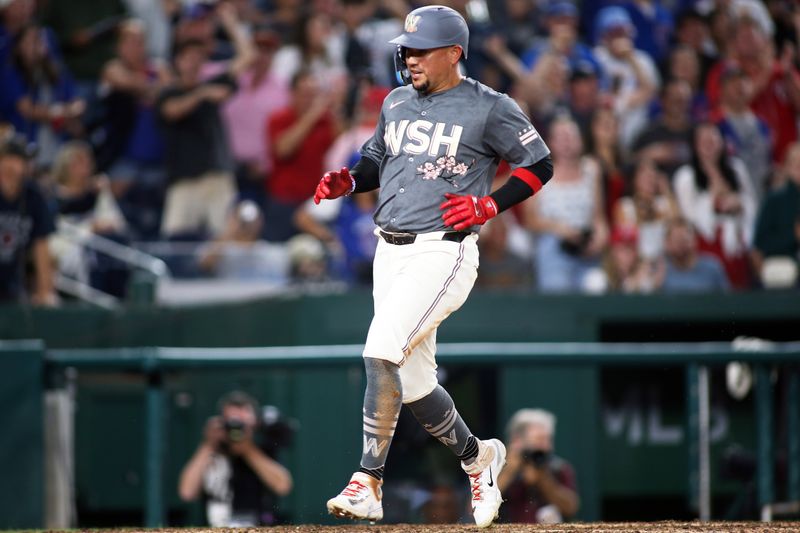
<point>433,27</point>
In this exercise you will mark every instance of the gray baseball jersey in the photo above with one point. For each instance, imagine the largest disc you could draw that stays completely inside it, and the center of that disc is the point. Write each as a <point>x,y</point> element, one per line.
<point>452,141</point>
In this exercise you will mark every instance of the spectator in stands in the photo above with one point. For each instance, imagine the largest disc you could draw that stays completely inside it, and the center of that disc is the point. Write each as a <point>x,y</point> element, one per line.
<point>625,269</point>
<point>25,224</point>
<point>775,78</point>
<point>520,22</point>
<point>683,64</point>
<point>317,47</point>
<point>38,95</point>
<point>538,486</point>
<point>155,16</point>
<point>687,269</point>
<point>308,260</point>
<point>603,145</point>
<point>235,467</point>
<point>715,194</point>
<point>345,224</point>
<point>585,95</point>
<point>133,151</point>
<point>239,253</point>
<point>501,267</point>
<point>246,116</point>
<point>86,30</point>
<point>746,135</point>
<point>14,15</point>
<point>549,63</point>
<point>86,206</point>
<point>653,23</point>
<point>777,227</point>
<point>300,135</point>
<point>199,164</point>
<point>692,31</point>
<point>667,140</point>
<point>562,38</point>
<point>647,209</point>
<point>631,74</point>
<point>369,33</point>
<point>568,216</point>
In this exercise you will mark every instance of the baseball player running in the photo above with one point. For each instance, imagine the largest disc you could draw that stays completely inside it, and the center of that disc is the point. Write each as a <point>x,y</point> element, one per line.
<point>434,153</point>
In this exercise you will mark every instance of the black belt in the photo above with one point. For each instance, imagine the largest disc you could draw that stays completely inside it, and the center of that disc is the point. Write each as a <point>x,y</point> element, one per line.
<point>408,238</point>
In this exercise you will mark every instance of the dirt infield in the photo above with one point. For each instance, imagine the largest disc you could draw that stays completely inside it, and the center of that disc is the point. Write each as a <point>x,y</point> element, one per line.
<point>613,527</point>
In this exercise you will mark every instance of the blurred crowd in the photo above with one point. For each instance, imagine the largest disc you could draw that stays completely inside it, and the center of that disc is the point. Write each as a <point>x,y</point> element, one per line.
<point>204,125</point>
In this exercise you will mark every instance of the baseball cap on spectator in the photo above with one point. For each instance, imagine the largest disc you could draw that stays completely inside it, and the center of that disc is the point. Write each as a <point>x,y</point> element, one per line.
<point>625,234</point>
<point>612,18</point>
<point>197,10</point>
<point>583,69</point>
<point>16,146</point>
<point>561,8</point>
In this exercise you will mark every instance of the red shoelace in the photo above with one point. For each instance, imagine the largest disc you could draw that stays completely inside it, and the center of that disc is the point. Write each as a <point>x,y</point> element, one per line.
<point>476,486</point>
<point>348,491</point>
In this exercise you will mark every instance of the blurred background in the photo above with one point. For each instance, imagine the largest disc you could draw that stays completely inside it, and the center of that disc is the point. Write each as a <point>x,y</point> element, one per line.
<point>156,163</point>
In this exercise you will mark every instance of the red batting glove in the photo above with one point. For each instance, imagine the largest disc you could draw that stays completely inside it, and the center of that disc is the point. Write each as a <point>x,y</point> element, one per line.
<point>465,211</point>
<point>334,184</point>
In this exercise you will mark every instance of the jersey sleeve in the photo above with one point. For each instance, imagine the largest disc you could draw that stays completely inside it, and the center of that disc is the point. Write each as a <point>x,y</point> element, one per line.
<point>375,147</point>
<point>510,135</point>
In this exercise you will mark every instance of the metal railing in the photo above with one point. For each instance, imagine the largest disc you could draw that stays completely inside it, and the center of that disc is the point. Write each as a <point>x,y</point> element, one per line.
<point>695,357</point>
<point>133,258</point>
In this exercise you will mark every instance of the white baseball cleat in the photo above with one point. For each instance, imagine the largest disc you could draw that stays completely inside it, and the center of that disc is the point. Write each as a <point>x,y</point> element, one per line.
<point>483,472</point>
<point>360,499</point>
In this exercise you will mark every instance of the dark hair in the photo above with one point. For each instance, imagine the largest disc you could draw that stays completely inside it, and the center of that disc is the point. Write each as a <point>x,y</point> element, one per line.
<point>300,35</point>
<point>185,44</point>
<point>298,76</point>
<point>723,163</point>
<point>238,398</point>
<point>49,67</point>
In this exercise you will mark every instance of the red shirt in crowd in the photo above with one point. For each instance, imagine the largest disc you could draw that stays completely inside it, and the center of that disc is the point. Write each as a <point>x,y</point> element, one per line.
<point>295,178</point>
<point>771,104</point>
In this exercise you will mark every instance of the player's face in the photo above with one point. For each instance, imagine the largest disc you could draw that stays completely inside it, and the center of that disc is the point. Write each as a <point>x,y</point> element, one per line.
<point>432,70</point>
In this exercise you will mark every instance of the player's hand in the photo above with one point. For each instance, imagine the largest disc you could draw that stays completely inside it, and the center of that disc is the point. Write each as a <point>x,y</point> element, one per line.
<point>333,185</point>
<point>465,211</point>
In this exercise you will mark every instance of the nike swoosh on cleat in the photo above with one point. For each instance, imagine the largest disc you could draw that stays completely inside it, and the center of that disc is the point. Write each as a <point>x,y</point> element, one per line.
<point>491,481</point>
<point>395,104</point>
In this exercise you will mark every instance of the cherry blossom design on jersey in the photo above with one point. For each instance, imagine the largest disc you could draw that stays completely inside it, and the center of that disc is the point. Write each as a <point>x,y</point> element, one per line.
<point>446,168</point>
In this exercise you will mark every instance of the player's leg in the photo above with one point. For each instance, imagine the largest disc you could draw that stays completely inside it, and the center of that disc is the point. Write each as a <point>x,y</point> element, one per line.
<point>436,412</point>
<point>449,278</point>
<point>361,498</point>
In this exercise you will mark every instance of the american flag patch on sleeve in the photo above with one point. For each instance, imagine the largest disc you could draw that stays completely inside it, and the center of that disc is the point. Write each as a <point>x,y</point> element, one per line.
<point>528,135</point>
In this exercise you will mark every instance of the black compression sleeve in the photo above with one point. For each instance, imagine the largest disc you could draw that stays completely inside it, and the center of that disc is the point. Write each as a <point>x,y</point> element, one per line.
<point>366,174</point>
<point>518,189</point>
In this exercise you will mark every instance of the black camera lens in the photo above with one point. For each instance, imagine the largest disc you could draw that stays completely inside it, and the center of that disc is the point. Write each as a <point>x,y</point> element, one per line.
<point>234,429</point>
<point>537,458</point>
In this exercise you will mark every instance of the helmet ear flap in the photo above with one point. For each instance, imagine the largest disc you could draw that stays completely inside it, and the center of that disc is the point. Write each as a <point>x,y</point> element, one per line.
<point>401,69</point>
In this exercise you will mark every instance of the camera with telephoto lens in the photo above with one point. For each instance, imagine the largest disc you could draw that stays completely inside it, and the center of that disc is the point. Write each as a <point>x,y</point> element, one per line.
<point>234,429</point>
<point>537,458</point>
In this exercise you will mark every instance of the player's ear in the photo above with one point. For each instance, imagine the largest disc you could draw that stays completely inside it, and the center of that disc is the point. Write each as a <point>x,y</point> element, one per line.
<point>455,54</point>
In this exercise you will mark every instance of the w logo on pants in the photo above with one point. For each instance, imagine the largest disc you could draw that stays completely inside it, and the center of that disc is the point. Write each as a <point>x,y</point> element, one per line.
<point>372,446</point>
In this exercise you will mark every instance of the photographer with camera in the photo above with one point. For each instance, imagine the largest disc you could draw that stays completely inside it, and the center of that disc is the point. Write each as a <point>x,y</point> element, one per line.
<point>538,486</point>
<point>234,468</point>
